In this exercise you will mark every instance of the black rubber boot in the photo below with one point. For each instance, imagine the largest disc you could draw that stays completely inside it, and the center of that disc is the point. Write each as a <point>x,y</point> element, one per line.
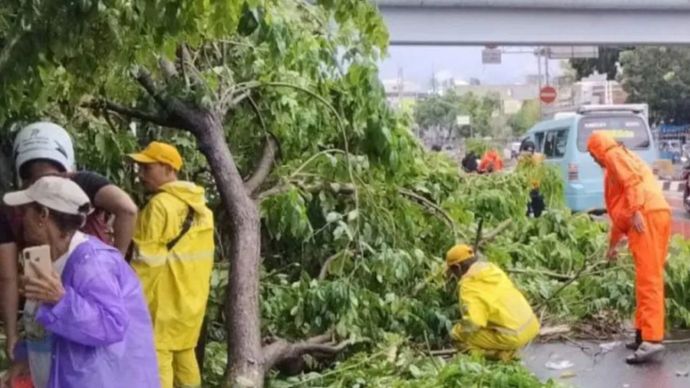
<point>633,345</point>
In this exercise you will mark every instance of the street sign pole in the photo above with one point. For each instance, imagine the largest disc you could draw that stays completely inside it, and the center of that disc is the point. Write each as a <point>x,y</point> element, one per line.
<point>538,54</point>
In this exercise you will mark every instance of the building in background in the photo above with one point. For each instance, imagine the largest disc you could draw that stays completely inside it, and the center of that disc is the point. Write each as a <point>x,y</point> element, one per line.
<point>511,97</point>
<point>402,93</point>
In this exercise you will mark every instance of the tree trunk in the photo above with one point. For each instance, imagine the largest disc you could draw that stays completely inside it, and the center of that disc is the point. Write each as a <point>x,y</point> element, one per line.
<point>245,360</point>
<point>248,361</point>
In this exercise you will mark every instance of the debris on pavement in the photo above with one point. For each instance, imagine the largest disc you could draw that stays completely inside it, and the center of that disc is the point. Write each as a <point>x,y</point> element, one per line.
<point>554,330</point>
<point>559,365</point>
<point>608,346</point>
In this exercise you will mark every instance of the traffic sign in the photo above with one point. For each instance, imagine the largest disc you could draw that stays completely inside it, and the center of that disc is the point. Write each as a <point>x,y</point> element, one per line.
<point>491,56</point>
<point>462,120</point>
<point>567,52</point>
<point>547,94</point>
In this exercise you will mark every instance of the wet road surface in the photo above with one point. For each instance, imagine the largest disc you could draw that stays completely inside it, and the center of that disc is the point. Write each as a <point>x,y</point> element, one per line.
<point>681,218</point>
<point>594,368</point>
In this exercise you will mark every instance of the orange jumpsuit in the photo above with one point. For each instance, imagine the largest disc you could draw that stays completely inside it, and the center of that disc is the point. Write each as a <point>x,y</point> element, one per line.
<point>630,186</point>
<point>491,162</point>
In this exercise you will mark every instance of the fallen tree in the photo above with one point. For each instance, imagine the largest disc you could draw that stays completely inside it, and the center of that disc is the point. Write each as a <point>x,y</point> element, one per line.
<point>332,219</point>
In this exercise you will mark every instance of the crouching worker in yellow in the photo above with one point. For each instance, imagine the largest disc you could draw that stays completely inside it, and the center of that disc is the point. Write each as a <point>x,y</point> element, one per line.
<point>496,319</point>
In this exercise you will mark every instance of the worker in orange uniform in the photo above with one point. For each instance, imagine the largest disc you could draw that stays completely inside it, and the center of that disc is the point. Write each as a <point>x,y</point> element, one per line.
<point>638,210</point>
<point>491,162</point>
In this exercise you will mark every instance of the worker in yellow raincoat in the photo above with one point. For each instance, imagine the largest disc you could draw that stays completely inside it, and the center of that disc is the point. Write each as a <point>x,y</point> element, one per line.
<point>496,318</point>
<point>174,250</point>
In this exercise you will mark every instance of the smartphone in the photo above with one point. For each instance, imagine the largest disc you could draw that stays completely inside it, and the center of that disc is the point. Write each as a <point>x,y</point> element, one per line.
<point>40,257</point>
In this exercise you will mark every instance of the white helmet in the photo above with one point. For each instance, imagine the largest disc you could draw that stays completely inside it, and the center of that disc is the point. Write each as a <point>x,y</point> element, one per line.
<point>43,140</point>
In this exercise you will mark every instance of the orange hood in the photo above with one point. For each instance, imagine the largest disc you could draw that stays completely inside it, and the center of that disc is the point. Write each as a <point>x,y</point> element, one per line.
<point>599,144</point>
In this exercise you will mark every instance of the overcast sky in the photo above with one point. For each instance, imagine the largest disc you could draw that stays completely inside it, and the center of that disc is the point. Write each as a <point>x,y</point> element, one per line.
<point>420,62</point>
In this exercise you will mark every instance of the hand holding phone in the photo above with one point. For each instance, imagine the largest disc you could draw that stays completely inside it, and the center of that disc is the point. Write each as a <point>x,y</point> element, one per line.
<point>41,283</point>
<point>37,259</point>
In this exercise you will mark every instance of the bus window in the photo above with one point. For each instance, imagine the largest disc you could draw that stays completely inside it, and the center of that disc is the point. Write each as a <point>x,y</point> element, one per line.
<point>555,143</point>
<point>539,141</point>
<point>629,130</point>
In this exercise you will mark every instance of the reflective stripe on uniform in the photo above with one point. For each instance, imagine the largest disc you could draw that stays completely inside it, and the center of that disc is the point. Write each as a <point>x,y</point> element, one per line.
<point>174,256</point>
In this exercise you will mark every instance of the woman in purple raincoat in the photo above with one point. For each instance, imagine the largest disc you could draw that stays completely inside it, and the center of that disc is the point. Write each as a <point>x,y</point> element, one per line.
<point>87,324</point>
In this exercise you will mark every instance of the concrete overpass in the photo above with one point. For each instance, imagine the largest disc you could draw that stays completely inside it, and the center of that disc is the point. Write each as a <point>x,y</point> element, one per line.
<point>537,22</point>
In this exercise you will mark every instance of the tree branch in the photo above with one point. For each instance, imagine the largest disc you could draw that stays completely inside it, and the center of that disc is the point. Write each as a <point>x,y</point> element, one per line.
<point>494,233</point>
<point>146,81</point>
<point>275,190</point>
<point>431,206</point>
<point>178,114</point>
<point>130,112</point>
<point>271,147</point>
<point>6,51</point>
<point>109,120</point>
<point>263,168</point>
<point>443,352</point>
<point>187,65</point>
<point>281,350</point>
<point>550,274</point>
<point>327,264</point>
<point>168,69</point>
<point>333,187</point>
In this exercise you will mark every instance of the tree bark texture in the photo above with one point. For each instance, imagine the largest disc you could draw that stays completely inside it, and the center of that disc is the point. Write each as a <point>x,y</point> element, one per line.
<point>245,360</point>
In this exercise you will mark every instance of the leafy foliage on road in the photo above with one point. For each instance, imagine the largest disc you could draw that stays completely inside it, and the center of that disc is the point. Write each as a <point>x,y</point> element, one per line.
<point>355,215</point>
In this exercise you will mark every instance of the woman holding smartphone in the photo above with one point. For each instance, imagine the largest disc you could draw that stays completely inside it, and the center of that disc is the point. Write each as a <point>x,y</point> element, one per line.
<point>87,324</point>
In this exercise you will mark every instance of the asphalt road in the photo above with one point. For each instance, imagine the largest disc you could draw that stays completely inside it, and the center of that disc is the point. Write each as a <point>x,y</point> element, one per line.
<point>681,218</point>
<point>591,366</point>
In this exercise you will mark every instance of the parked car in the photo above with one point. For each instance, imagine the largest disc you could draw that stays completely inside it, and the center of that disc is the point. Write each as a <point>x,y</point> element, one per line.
<point>563,142</point>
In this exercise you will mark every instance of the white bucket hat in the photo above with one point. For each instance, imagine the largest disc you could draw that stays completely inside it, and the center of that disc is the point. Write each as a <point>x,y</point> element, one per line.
<point>56,193</point>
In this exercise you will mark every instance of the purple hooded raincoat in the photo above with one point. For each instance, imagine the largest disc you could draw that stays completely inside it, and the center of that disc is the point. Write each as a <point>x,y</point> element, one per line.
<point>102,330</point>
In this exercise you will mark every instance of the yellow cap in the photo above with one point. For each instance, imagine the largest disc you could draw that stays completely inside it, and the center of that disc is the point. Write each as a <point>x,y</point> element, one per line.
<point>458,254</point>
<point>157,152</point>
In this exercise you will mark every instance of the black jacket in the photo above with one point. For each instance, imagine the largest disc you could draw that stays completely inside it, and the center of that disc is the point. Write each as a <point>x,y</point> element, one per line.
<point>469,163</point>
<point>536,204</point>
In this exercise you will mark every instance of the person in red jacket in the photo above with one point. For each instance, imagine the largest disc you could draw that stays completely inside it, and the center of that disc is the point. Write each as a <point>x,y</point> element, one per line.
<point>638,210</point>
<point>491,162</point>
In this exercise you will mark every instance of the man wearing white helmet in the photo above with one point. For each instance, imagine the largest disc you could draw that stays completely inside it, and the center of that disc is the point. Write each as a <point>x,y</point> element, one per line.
<point>41,149</point>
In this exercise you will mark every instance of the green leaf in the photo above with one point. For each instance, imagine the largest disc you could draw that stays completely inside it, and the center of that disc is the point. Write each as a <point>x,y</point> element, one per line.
<point>332,217</point>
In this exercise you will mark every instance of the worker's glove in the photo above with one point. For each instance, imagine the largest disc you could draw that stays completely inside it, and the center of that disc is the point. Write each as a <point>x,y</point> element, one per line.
<point>462,330</point>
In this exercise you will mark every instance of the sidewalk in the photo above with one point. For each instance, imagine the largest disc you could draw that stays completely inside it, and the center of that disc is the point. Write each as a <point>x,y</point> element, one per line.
<point>672,185</point>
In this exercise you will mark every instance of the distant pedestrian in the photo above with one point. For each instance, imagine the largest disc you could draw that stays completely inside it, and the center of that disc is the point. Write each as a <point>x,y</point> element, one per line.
<point>469,162</point>
<point>491,162</point>
<point>536,205</point>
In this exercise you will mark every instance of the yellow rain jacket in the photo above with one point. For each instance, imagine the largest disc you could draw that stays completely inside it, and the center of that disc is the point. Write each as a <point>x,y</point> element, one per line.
<point>496,316</point>
<point>176,281</point>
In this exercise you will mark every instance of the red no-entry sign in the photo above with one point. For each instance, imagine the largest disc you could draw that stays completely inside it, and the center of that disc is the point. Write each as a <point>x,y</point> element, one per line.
<point>547,94</point>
